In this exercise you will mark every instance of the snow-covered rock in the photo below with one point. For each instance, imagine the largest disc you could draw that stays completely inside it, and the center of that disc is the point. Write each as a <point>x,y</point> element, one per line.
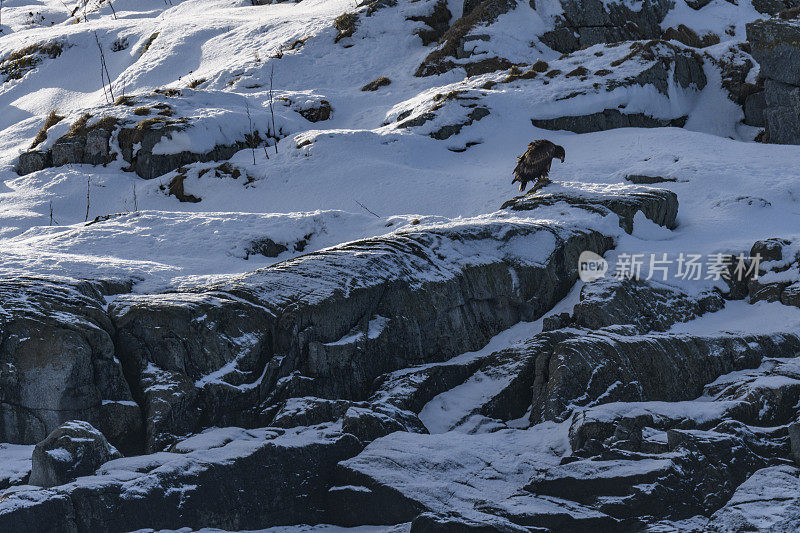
<point>253,340</point>
<point>775,47</point>
<point>767,501</point>
<point>315,313</point>
<point>72,450</point>
<point>225,477</point>
<point>59,362</point>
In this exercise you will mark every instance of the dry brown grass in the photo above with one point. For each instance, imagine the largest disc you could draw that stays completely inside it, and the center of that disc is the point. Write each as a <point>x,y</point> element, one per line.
<point>52,119</point>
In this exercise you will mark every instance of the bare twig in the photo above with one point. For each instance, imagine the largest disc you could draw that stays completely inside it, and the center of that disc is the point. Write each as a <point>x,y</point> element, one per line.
<point>367,209</point>
<point>252,139</point>
<point>88,198</point>
<point>51,212</point>
<point>272,107</point>
<point>104,71</point>
<point>135,200</point>
<point>113,11</point>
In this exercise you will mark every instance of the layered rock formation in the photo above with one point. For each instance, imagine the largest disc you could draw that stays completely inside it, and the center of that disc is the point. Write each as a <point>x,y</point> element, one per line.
<point>775,47</point>
<point>150,133</point>
<point>252,352</point>
<point>59,362</point>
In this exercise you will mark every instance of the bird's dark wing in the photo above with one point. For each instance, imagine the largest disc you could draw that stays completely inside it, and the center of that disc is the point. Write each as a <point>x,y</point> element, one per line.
<point>535,163</point>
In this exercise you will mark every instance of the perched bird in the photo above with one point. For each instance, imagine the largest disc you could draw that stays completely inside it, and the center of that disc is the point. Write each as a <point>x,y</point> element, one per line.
<point>534,164</point>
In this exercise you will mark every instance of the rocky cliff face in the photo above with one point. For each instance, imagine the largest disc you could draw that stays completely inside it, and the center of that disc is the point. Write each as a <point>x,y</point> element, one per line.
<point>59,362</point>
<point>444,371</point>
<point>357,368</point>
<point>775,47</point>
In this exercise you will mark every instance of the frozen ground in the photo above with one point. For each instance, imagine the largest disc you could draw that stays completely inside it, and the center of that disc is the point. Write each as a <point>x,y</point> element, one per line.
<point>359,174</point>
<point>319,189</point>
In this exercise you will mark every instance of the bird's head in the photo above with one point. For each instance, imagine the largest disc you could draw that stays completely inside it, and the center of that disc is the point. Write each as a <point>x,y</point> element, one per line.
<point>559,153</point>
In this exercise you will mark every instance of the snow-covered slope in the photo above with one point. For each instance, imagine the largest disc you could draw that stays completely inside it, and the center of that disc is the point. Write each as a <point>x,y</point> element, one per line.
<point>251,210</point>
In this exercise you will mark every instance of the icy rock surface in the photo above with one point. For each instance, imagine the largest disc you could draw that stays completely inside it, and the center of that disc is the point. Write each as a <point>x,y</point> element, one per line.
<point>273,256</point>
<point>72,450</point>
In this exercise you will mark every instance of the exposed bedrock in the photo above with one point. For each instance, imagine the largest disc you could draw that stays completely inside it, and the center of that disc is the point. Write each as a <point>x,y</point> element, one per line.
<point>90,145</point>
<point>668,460</point>
<point>661,426</point>
<point>768,501</point>
<point>659,205</point>
<point>58,363</point>
<point>72,450</point>
<point>328,323</point>
<point>324,325</point>
<point>608,119</point>
<point>588,22</point>
<point>698,417</point>
<point>604,366</point>
<point>228,478</point>
<point>775,45</point>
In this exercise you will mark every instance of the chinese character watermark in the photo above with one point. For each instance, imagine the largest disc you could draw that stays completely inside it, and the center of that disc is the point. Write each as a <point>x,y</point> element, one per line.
<point>663,267</point>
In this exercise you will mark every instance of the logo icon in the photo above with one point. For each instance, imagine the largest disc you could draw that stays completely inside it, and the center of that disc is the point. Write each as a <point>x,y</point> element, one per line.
<point>591,266</point>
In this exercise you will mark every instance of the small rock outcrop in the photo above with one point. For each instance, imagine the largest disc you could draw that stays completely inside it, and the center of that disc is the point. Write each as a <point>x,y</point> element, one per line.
<point>59,363</point>
<point>139,129</point>
<point>454,41</point>
<point>658,205</point>
<point>608,119</point>
<point>589,22</point>
<point>775,45</point>
<point>228,478</point>
<point>581,91</point>
<point>72,450</point>
<point>267,345</point>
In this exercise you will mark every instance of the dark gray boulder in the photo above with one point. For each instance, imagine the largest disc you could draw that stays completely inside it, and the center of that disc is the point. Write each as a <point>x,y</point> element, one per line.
<point>72,450</point>
<point>59,363</point>
<point>369,424</point>
<point>782,112</point>
<point>309,411</point>
<point>754,106</point>
<point>370,307</point>
<point>770,249</point>
<point>227,478</point>
<point>774,45</point>
<point>659,205</point>
<point>588,22</point>
<point>650,306</point>
<point>769,500</point>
